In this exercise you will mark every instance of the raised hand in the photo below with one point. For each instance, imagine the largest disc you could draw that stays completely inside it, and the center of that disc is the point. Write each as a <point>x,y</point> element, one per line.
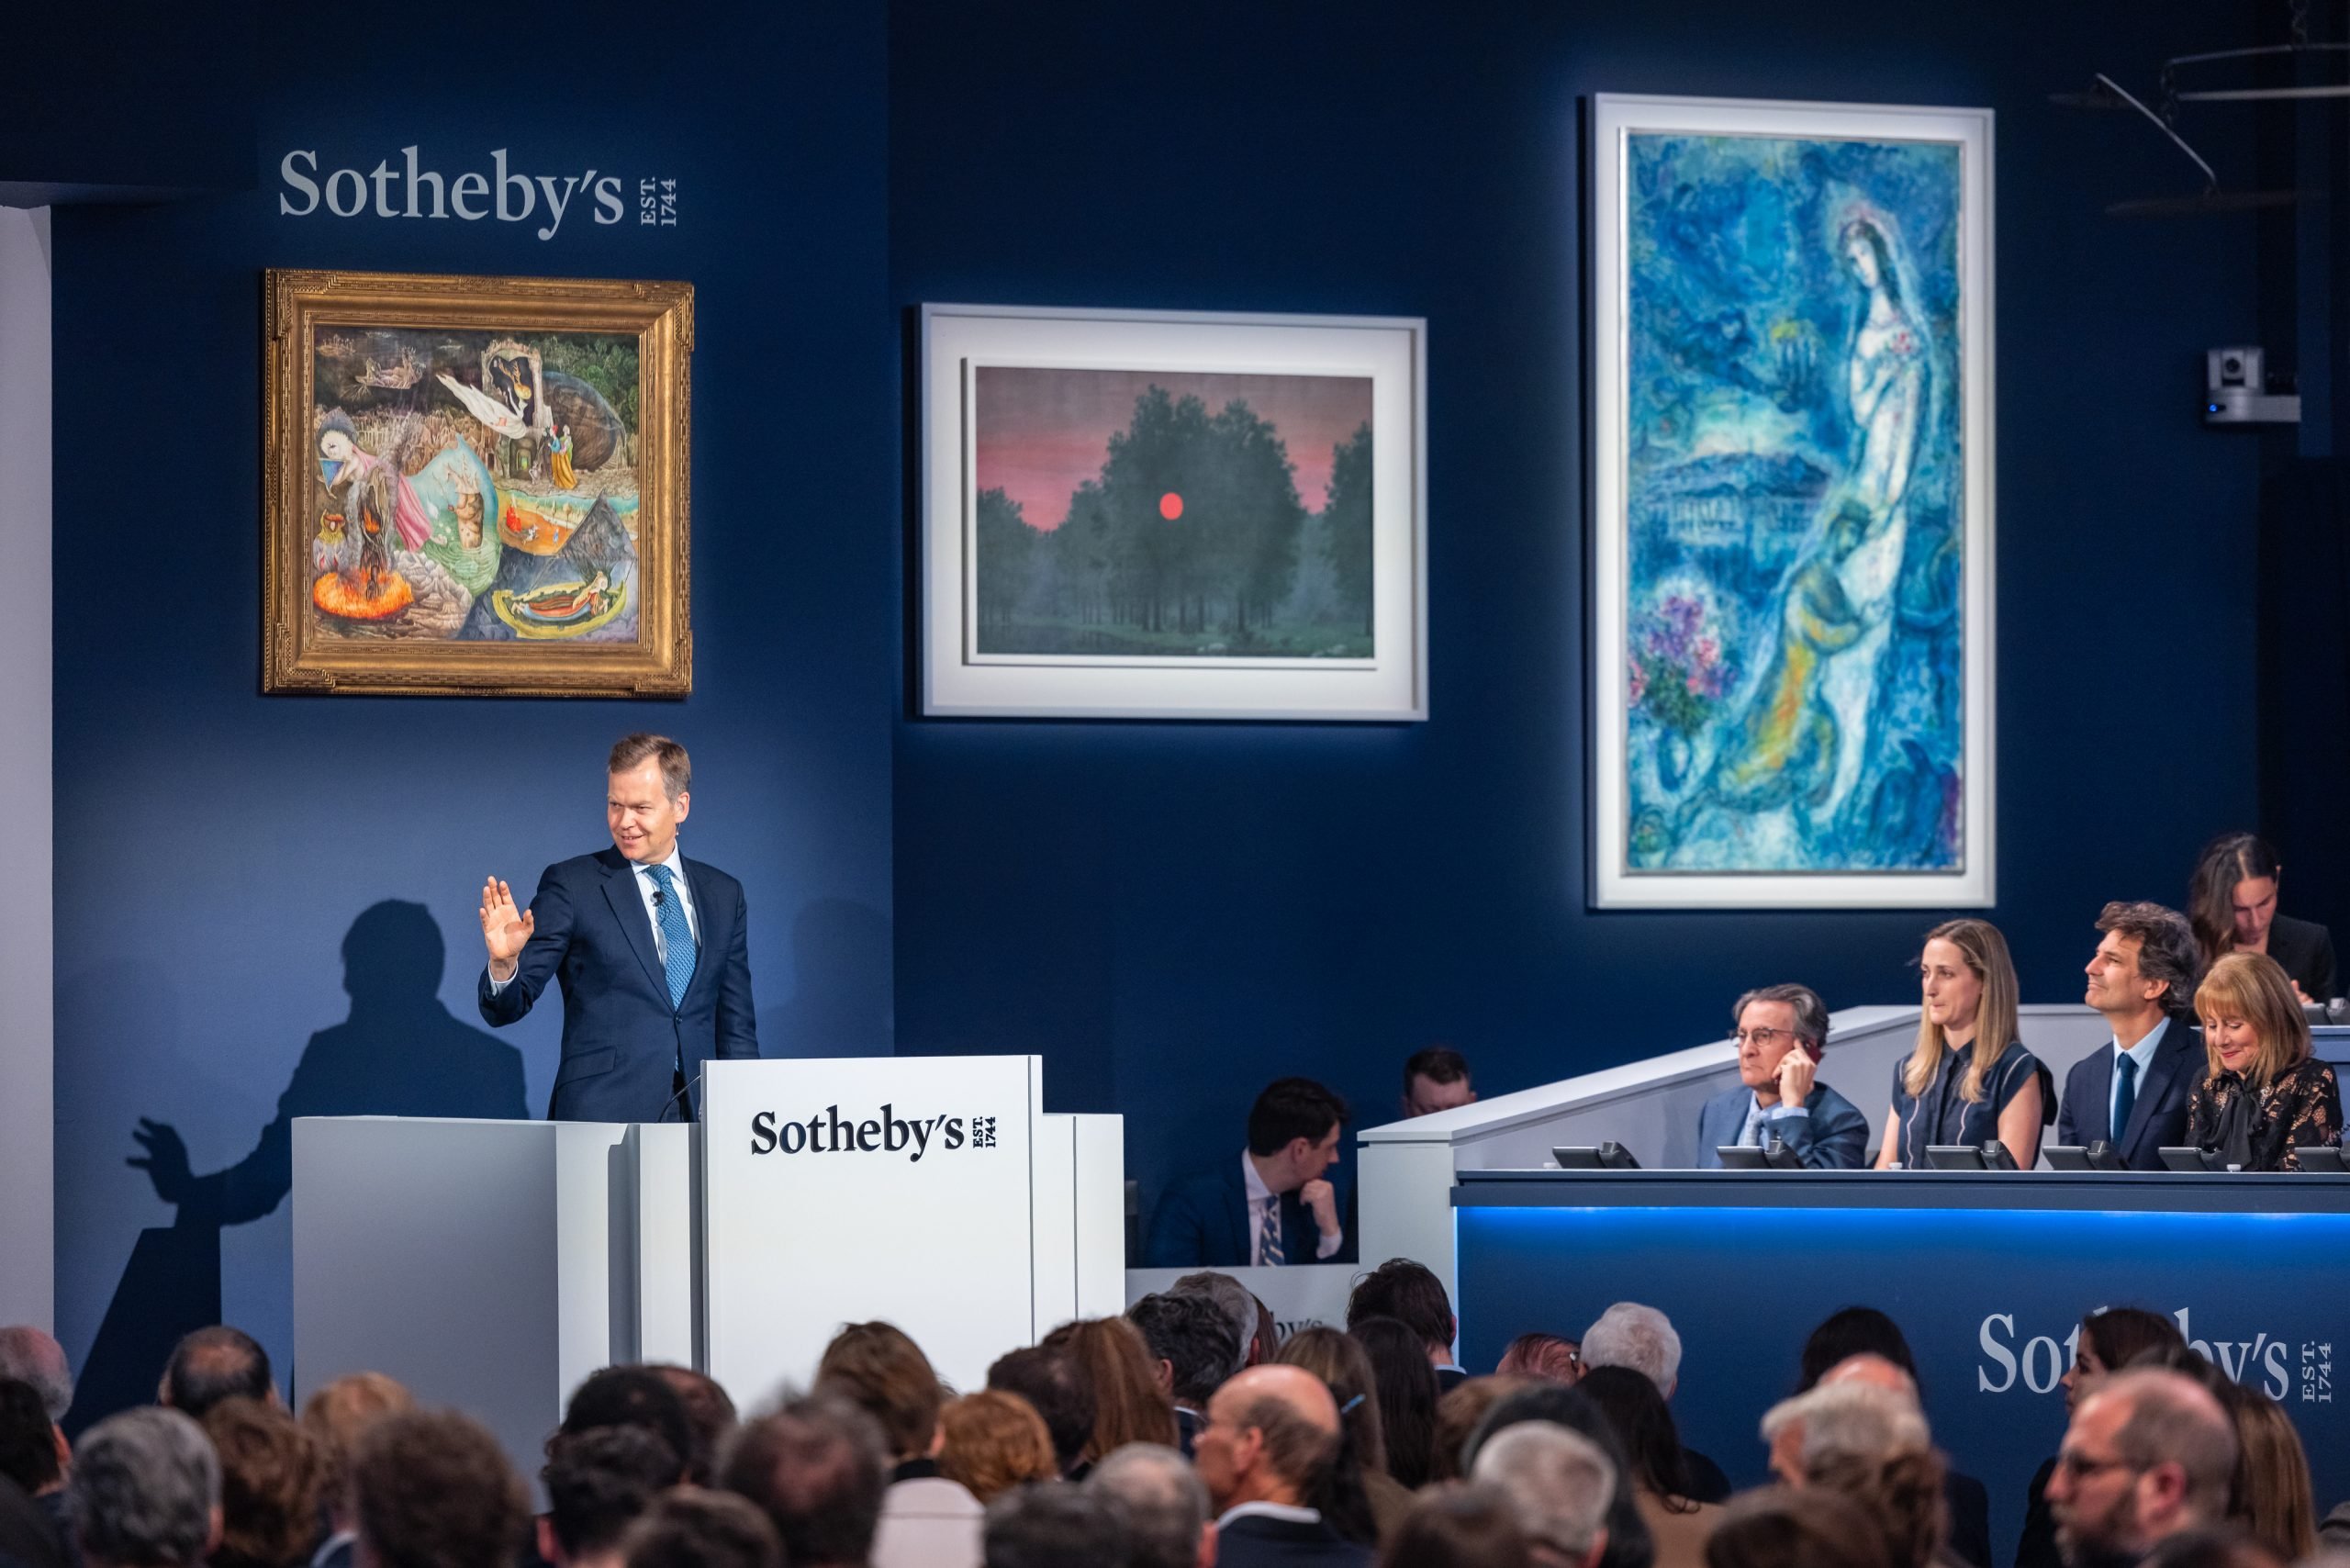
<point>1322,1198</point>
<point>505,930</point>
<point>1796,1072</point>
<point>164,1160</point>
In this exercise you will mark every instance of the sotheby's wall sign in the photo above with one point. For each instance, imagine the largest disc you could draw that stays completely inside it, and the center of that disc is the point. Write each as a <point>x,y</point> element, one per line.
<point>488,188</point>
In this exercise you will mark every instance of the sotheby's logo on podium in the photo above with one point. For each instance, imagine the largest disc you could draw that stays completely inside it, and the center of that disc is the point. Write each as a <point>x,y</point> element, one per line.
<point>888,1133</point>
<point>837,1190</point>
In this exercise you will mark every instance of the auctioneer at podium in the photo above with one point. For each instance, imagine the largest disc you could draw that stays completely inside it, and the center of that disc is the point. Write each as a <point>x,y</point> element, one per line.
<point>651,950</point>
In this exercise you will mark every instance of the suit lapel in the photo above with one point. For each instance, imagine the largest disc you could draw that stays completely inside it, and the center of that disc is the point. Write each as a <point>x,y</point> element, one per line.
<point>2097,1088</point>
<point>2170,1059</point>
<point>1236,1213</point>
<point>628,908</point>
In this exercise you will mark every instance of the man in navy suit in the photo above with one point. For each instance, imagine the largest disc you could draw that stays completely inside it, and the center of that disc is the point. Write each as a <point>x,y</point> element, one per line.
<point>650,949</point>
<point>1269,1205</point>
<point>1271,1438</point>
<point>2143,979</point>
<point>1782,1031</point>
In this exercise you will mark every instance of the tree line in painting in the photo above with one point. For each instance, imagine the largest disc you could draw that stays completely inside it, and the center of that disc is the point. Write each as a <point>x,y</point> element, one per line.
<point>1192,540</point>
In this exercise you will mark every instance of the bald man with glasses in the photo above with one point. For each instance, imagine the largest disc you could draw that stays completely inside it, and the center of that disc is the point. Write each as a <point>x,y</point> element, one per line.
<point>1782,1033</point>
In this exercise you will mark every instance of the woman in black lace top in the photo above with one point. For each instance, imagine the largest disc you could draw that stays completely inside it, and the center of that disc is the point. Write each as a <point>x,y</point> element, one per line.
<point>2263,1095</point>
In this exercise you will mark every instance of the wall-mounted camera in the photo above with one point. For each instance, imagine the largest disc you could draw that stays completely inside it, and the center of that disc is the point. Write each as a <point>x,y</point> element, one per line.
<point>2235,384</point>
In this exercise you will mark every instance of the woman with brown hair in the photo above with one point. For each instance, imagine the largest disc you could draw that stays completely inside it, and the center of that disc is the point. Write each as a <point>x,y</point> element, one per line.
<point>994,1442</point>
<point>1654,1467</point>
<point>273,1478</point>
<point>2110,1339</point>
<point>1339,1361</point>
<point>2231,903</point>
<point>1970,1079</point>
<point>1129,1405</point>
<point>2274,1497</point>
<point>2263,1094</point>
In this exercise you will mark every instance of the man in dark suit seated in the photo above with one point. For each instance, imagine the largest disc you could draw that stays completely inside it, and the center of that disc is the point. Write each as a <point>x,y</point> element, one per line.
<point>2132,1091</point>
<point>1270,1433</point>
<point>1782,1031</point>
<point>651,949</point>
<point>1272,1204</point>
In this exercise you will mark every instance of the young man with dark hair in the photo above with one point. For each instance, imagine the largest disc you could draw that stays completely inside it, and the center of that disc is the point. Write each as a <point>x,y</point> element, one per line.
<point>598,1483</point>
<point>1052,1381</point>
<point>1194,1348</point>
<point>1412,1294</point>
<point>433,1490</point>
<point>1437,1080</point>
<point>690,1528</point>
<point>634,1396</point>
<point>1274,1205</point>
<point>2133,1091</point>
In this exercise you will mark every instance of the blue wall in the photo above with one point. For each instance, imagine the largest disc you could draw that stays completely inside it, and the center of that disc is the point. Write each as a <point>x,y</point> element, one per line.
<point>1181,912</point>
<point>214,846</point>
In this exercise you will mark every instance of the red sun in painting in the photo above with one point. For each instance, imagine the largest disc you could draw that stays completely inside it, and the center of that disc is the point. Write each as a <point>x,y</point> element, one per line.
<point>1170,506</point>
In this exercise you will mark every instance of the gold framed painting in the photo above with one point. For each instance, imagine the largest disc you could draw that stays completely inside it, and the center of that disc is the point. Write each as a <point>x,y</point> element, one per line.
<point>477,485</point>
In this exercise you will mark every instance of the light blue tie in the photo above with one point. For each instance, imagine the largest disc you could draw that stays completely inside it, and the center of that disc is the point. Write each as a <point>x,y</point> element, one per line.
<point>676,936</point>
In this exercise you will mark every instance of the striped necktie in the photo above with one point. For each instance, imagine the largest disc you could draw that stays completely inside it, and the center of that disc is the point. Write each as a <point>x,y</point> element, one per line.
<point>676,936</point>
<point>1269,1248</point>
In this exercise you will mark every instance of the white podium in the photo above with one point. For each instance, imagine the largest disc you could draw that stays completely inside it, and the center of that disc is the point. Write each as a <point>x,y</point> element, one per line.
<point>493,1265</point>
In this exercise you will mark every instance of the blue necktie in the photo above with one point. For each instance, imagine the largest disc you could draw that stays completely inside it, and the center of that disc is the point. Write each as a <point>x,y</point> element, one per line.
<point>2125,1092</point>
<point>676,936</point>
<point>1272,1244</point>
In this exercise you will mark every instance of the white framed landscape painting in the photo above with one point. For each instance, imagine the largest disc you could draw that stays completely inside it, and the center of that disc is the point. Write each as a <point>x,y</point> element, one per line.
<point>1792,518</point>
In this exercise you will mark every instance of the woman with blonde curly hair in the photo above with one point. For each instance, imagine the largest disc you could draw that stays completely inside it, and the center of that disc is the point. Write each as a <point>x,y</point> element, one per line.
<point>994,1442</point>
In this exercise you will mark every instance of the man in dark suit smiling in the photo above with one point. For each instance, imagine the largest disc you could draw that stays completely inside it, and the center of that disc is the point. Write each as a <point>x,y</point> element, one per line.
<point>2133,1091</point>
<point>650,949</point>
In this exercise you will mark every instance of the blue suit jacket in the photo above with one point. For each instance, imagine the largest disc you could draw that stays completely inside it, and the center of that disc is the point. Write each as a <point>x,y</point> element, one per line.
<point>2157,1117</point>
<point>1835,1136</point>
<point>1202,1222</point>
<point>621,1040</point>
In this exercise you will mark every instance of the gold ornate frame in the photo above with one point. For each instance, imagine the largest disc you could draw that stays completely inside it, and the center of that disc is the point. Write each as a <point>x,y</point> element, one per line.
<point>661,315</point>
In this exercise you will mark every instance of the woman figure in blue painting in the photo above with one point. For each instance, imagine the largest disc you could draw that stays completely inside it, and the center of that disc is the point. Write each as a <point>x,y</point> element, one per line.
<point>1887,388</point>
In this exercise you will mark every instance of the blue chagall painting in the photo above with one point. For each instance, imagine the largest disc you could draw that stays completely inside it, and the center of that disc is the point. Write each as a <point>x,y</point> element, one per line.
<point>1793,474</point>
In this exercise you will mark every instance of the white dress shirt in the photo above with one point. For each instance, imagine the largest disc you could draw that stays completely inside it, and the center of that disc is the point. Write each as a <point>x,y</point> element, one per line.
<point>1265,1218</point>
<point>679,888</point>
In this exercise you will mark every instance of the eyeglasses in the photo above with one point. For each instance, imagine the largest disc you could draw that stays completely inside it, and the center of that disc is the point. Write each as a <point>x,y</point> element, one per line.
<point>1762,1037</point>
<point>2078,1466</point>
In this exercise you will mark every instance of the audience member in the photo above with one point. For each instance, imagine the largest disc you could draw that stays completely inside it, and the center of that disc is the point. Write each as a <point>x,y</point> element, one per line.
<point>145,1492</point>
<point>1269,1337</point>
<point>2262,1094</point>
<point>31,1355</point>
<point>631,1396</point>
<point>34,1459</point>
<point>1834,1422</point>
<point>1056,1527</point>
<point>273,1484</point>
<point>1628,1543</point>
<point>1970,1079</point>
<point>1412,1294</point>
<point>1860,1343</point>
<point>1343,1366</point>
<point>1127,1405</point>
<point>927,1519</point>
<point>1437,1080</point>
<point>1848,1332</point>
<point>213,1364</point>
<point>1274,1205</point>
<point>1236,1303</point>
<point>1194,1347</point>
<point>709,1410</point>
<point>816,1468</point>
<point>2132,1092</point>
<point>1561,1486</point>
<point>1164,1504</point>
<point>1455,1526</point>
<point>1542,1355</point>
<point>1270,1433</point>
<point>702,1530</point>
<point>1778,1528</point>
<point>2149,1455</point>
<point>1459,1413</point>
<point>993,1441</point>
<point>337,1416</point>
<point>1654,1470</point>
<point>2225,1546</point>
<point>432,1489</point>
<point>1782,1031</point>
<point>1641,1338</point>
<point>2233,903</point>
<point>598,1483</point>
<point>1053,1383</point>
<point>1405,1387</point>
<point>1861,1433</point>
<point>2110,1339</point>
<point>2272,1495</point>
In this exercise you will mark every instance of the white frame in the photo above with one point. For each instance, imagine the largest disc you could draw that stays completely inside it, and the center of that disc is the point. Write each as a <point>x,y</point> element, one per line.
<point>1390,351</point>
<point>1613,117</point>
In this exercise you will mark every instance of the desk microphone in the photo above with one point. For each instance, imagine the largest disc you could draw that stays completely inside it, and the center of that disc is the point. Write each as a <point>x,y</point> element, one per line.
<point>657,896</point>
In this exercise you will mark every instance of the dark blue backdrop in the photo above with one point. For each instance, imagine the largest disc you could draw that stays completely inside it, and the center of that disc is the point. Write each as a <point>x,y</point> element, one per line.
<point>1180,913</point>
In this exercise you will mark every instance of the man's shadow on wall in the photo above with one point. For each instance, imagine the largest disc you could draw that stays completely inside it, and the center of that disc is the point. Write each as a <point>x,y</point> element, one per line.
<point>400,1053</point>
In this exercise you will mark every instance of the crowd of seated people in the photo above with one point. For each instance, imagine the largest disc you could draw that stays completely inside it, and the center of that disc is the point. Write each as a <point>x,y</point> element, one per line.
<point>1332,1450</point>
